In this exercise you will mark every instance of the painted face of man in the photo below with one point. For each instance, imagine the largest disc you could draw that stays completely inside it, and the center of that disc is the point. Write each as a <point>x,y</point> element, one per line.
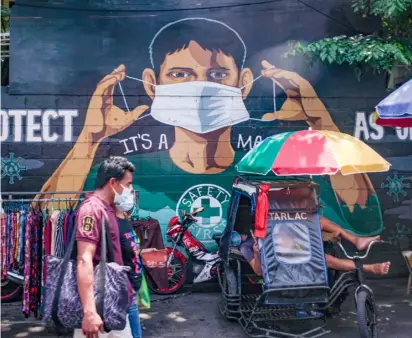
<point>195,63</point>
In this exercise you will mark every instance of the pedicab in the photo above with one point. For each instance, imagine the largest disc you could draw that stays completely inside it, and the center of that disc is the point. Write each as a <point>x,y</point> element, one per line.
<point>283,214</point>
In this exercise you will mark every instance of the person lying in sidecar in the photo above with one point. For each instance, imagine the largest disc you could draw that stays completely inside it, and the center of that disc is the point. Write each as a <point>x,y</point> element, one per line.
<point>249,250</point>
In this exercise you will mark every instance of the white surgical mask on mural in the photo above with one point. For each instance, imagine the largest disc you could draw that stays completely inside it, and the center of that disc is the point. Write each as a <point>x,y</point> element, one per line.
<point>198,106</point>
<point>124,201</point>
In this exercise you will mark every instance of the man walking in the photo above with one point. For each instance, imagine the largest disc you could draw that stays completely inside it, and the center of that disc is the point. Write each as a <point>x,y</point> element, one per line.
<point>113,184</point>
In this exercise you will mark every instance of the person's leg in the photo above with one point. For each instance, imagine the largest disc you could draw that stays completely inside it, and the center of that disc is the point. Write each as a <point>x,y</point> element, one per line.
<point>134,320</point>
<point>349,265</point>
<point>361,243</point>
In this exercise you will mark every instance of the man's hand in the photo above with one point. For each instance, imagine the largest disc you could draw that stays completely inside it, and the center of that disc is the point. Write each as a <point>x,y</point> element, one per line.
<point>302,102</point>
<point>103,118</point>
<point>255,247</point>
<point>92,324</point>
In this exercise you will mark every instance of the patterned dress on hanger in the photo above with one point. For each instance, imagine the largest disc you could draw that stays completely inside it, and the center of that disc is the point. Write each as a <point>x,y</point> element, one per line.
<point>27,264</point>
<point>36,256</point>
<point>3,224</point>
<point>12,239</point>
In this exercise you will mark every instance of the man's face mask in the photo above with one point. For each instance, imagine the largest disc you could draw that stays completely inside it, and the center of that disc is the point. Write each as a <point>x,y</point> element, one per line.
<point>198,106</point>
<point>124,201</point>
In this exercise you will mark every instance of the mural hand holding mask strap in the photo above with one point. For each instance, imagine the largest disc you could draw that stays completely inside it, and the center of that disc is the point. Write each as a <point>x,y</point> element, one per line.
<point>302,103</point>
<point>105,119</point>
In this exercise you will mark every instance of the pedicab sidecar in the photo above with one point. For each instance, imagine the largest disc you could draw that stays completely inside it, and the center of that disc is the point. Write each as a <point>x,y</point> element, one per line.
<point>295,283</point>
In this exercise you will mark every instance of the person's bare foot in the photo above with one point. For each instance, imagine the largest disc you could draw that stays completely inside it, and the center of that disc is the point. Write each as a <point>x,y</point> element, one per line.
<point>378,268</point>
<point>363,242</point>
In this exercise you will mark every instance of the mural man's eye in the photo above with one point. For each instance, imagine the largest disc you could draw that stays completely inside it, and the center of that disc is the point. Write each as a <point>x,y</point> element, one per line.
<point>218,75</point>
<point>180,75</point>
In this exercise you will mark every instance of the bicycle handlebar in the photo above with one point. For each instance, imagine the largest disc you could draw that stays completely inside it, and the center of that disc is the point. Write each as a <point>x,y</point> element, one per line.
<point>356,256</point>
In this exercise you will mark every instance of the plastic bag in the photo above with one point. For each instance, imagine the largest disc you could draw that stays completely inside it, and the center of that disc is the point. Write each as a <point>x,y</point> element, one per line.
<point>143,296</point>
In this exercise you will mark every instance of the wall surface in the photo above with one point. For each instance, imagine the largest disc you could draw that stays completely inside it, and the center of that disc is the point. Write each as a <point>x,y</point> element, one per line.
<point>64,111</point>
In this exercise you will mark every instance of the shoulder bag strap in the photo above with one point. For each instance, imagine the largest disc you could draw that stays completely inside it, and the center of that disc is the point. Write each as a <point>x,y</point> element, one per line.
<point>106,256</point>
<point>102,268</point>
<point>110,249</point>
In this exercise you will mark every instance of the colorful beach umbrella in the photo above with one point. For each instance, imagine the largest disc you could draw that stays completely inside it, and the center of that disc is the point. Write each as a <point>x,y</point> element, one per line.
<point>312,152</point>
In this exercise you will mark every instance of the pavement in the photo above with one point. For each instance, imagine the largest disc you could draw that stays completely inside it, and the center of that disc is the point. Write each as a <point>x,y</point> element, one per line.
<point>194,313</point>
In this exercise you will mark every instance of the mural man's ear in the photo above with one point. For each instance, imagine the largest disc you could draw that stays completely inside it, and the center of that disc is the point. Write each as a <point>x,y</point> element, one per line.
<point>148,77</point>
<point>246,79</point>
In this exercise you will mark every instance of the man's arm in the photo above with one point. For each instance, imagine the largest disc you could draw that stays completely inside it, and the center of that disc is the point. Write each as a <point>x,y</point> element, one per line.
<point>88,225</point>
<point>85,276</point>
<point>72,172</point>
<point>103,119</point>
<point>255,262</point>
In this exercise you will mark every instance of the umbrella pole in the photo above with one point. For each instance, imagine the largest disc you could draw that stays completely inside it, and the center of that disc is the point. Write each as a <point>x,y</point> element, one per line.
<point>311,179</point>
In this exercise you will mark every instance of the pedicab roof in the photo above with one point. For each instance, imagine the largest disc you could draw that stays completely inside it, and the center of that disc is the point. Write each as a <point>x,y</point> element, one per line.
<point>250,184</point>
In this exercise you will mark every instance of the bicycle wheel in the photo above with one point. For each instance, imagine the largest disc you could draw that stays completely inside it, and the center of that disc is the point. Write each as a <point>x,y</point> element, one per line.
<point>366,311</point>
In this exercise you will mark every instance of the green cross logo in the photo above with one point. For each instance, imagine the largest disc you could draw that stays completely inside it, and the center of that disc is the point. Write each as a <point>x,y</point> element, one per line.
<point>215,201</point>
<point>209,210</point>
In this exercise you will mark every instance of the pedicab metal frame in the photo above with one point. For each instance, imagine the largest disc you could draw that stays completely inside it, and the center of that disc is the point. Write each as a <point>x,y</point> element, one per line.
<point>260,320</point>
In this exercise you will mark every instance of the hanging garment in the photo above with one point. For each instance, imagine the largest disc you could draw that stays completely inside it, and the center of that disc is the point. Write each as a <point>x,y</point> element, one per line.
<point>11,240</point>
<point>22,230</point>
<point>43,252</point>
<point>27,264</point>
<point>70,227</point>
<point>47,239</point>
<point>3,227</point>
<point>16,244</point>
<point>54,217</point>
<point>149,233</point>
<point>36,257</point>
<point>150,236</point>
<point>66,228</point>
<point>59,239</point>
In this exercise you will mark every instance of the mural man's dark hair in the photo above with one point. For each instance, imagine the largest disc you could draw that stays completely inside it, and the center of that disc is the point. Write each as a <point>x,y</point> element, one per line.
<point>210,34</point>
<point>113,167</point>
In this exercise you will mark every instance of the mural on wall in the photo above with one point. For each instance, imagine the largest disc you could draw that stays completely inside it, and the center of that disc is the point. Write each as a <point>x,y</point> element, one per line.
<point>196,120</point>
<point>198,83</point>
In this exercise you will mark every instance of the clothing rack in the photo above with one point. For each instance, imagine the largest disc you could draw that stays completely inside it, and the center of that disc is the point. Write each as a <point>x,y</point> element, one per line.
<point>27,237</point>
<point>14,193</point>
<point>40,200</point>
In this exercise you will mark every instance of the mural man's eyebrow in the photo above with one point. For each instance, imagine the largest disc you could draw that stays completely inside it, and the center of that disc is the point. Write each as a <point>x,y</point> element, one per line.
<point>219,68</point>
<point>182,68</point>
